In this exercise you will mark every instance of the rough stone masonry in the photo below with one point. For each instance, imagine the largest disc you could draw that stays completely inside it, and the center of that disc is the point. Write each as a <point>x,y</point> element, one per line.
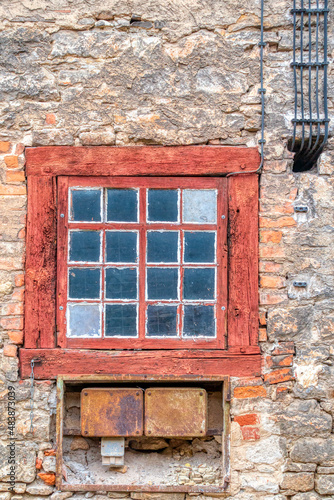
<point>185,72</point>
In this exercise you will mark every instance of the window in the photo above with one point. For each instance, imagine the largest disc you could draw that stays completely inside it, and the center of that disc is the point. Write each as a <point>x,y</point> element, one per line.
<point>141,260</point>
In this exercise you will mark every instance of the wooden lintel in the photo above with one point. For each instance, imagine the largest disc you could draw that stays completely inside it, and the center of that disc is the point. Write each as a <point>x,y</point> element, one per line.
<point>140,160</point>
<point>49,363</point>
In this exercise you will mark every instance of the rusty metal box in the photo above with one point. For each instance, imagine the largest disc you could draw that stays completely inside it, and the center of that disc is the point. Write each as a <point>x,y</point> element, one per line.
<point>111,412</point>
<point>174,411</point>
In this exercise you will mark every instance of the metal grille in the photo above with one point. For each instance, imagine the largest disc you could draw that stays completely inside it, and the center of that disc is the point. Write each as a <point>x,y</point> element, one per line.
<point>310,122</point>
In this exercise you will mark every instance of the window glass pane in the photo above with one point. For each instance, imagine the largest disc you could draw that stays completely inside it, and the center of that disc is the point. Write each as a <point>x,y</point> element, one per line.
<point>122,205</point>
<point>121,283</point>
<point>199,284</point>
<point>162,205</point>
<point>200,206</point>
<point>86,205</point>
<point>84,320</point>
<point>121,246</point>
<point>84,283</point>
<point>121,320</point>
<point>199,247</point>
<point>161,321</point>
<point>162,246</point>
<point>199,321</point>
<point>85,246</point>
<point>162,283</point>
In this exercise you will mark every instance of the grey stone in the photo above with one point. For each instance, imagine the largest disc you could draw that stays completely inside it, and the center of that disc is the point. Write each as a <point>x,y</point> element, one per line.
<point>283,324</point>
<point>297,467</point>
<point>325,484</point>
<point>25,457</point>
<point>325,470</point>
<point>61,495</point>
<point>39,488</point>
<point>304,418</point>
<point>315,450</point>
<point>310,495</point>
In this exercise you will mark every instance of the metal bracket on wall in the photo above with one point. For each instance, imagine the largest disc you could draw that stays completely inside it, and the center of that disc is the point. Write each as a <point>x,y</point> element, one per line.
<point>310,122</point>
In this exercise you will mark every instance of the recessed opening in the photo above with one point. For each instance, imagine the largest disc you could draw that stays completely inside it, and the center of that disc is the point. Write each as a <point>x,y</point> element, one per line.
<point>135,18</point>
<point>306,152</point>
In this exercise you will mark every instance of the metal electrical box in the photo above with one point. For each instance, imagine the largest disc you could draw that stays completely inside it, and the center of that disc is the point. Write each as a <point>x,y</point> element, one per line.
<point>176,412</point>
<point>111,412</point>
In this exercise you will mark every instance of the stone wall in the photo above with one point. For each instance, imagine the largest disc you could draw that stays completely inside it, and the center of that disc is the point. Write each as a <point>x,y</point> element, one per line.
<point>80,73</point>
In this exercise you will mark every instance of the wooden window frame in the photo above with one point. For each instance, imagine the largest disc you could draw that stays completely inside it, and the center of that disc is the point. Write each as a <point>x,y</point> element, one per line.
<point>45,164</point>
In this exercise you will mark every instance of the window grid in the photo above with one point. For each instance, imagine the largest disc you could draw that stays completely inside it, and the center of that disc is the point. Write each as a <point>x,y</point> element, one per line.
<point>143,227</point>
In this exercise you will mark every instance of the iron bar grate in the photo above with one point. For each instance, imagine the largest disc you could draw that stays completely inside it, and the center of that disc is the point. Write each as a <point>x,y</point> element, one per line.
<point>310,122</point>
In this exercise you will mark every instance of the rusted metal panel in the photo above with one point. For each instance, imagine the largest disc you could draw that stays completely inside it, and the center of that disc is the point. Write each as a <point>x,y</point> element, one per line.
<point>173,412</point>
<point>108,412</point>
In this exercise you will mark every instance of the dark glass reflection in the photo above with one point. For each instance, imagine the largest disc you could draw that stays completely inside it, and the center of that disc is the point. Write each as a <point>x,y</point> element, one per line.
<point>121,320</point>
<point>122,205</point>
<point>85,246</point>
<point>121,246</point>
<point>121,283</point>
<point>162,283</point>
<point>162,246</point>
<point>199,247</point>
<point>199,321</point>
<point>86,205</point>
<point>161,321</point>
<point>199,284</point>
<point>84,283</point>
<point>162,205</point>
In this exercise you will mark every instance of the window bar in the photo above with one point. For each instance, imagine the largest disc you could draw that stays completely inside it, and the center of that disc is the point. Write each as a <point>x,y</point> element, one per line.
<point>307,154</point>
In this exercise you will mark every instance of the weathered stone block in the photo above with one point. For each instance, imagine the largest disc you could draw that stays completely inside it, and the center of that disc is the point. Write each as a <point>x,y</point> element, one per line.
<point>304,418</point>
<point>299,481</point>
<point>324,484</point>
<point>315,450</point>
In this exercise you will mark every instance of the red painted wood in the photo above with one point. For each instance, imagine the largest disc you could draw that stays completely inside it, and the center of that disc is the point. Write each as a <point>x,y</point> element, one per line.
<point>243,260</point>
<point>74,362</point>
<point>62,236</point>
<point>40,264</point>
<point>143,342</point>
<point>141,160</point>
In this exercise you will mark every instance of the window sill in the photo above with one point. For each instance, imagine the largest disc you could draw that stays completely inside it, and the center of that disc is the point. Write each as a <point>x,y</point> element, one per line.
<point>49,363</point>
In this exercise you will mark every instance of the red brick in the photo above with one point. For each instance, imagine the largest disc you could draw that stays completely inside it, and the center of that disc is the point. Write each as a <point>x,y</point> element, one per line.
<point>10,350</point>
<point>272,282</point>
<point>19,149</point>
<point>281,391</point>
<point>271,252</point>
<point>262,318</point>
<point>48,477</point>
<point>249,419</point>
<point>278,376</point>
<point>271,298</point>
<point>50,119</point>
<point>4,146</point>
<point>280,222</point>
<point>12,190</point>
<point>12,161</point>
<point>257,391</point>
<point>287,208</point>
<point>12,309</point>
<point>22,233</point>
<point>39,463</point>
<point>283,348</point>
<point>16,337</point>
<point>271,236</point>
<point>19,280</point>
<point>263,335</point>
<point>50,453</point>
<point>15,176</point>
<point>18,295</point>
<point>12,323</point>
<point>270,267</point>
<point>279,361</point>
<point>293,193</point>
<point>250,433</point>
